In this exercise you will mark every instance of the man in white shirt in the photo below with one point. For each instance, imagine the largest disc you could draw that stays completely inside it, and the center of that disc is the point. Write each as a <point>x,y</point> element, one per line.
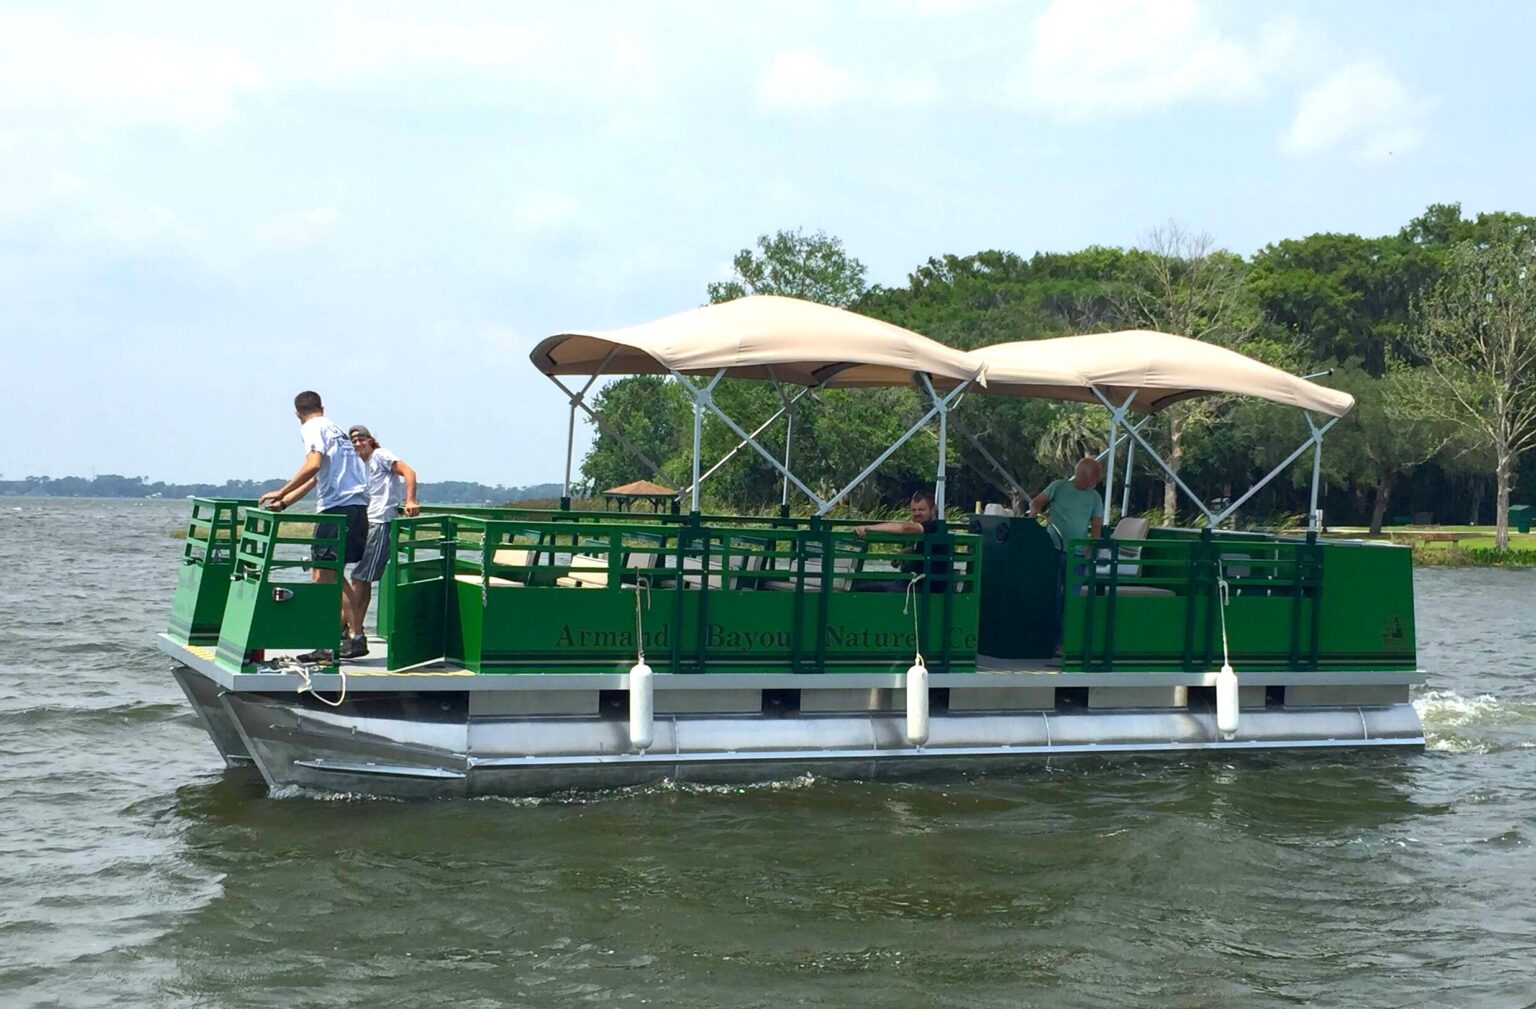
<point>333,468</point>
<point>391,485</point>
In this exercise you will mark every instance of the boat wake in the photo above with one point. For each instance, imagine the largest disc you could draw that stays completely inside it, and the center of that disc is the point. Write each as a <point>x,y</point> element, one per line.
<point>666,786</point>
<point>1479,724</point>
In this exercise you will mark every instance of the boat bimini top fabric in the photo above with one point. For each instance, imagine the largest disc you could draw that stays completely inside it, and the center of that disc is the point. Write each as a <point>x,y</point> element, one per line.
<point>805,343</point>
<point>1160,368</point>
<point>763,337</point>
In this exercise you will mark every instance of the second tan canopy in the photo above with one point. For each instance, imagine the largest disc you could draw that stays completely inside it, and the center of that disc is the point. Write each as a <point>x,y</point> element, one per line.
<point>1160,368</point>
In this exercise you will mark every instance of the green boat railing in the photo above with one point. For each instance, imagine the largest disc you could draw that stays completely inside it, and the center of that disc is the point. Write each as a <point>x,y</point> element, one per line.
<point>519,594</point>
<point>1153,604</point>
<point>207,562</point>
<point>271,604</point>
<point>508,590</point>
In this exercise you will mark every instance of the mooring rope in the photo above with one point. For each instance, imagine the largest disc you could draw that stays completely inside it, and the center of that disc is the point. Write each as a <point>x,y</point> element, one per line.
<point>642,584</point>
<point>309,688</point>
<point>917,637</point>
<point>1225,592</point>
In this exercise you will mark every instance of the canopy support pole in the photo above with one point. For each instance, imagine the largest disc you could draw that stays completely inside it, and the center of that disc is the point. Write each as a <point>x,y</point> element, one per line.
<point>1125,493</point>
<point>1012,485</point>
<point>939,480</point>
<point>1315,441</point>
<point>940,404</point>
<point>1143,422</point>
<point>1317,469</point>
<point>1116,418</point>
<point>703,399</point>
<point>1179,483</point>
<point>578,399</point>
<point>608,429</point>
<point>789,432</point>
<point>742,444</point>
<point>789,440</point>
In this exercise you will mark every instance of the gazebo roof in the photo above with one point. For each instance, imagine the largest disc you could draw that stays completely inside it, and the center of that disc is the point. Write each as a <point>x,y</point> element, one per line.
<point>640,488</point>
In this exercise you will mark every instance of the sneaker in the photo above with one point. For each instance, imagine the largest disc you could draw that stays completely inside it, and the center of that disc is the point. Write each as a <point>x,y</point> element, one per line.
<point>319,657</point>
<point>355,648</point>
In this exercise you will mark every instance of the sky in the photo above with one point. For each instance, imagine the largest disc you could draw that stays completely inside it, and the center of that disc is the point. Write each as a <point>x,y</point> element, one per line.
<point>206,208</point>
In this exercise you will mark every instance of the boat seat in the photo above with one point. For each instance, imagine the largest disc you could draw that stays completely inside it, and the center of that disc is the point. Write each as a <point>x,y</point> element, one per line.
<point>1236,565</point>
<point>492,582</point>
<point>1129,590</point>
<point>841,564</point>
<point>637,561</point>
<point>1129,528</point>
<point>585,579</point>
<point>738,562</point>
<point>512,557</point>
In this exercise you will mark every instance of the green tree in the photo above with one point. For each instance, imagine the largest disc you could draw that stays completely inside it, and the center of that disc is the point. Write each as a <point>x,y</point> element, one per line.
<point>996,297</point>
<point>1342,296</point>
<point>1477,331</point>
<point>812,267</point>
<point>1388,433</point>
<point>654,416</point>
<point>1182,284</point>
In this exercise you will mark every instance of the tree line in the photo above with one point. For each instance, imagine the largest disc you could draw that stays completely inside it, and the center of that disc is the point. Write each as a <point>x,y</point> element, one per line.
<point>1432,329</point>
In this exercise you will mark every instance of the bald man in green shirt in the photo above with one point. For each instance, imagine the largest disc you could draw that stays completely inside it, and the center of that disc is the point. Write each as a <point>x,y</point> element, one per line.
<point>1074,508</point>
<point>1076,512</point>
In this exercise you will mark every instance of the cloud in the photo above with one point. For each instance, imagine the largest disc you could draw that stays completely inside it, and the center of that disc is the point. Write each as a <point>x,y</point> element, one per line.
<point>354,47</point>
<point>801,80</point>
<point>475,339</point>
<point>476,55</point>
<point>545,210</point>
<point>49,72</point>
<point>1094,58</point>
<point>1363,108</point>
<point>298,229</point>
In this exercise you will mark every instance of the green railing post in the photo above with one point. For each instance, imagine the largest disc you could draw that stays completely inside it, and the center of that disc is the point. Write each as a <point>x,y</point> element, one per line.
<point>261,613</point>
<point>1191,598</point>
<point>207,566</point>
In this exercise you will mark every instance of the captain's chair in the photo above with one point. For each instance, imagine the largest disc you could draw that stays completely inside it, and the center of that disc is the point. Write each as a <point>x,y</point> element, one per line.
<point>1132,527</point>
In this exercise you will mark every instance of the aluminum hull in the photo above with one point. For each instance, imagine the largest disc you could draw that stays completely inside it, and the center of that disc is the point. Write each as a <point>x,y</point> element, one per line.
<point>438,744</point>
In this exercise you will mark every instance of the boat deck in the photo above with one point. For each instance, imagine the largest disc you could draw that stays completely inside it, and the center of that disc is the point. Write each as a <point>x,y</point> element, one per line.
<point>371,674</point>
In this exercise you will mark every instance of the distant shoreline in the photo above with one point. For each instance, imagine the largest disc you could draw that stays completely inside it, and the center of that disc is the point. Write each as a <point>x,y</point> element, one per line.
<point>128,488</point>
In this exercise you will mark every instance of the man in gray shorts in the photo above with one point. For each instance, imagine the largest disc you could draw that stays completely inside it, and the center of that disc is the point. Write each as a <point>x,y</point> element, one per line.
<point>391,485</point>
<point>333,470</point>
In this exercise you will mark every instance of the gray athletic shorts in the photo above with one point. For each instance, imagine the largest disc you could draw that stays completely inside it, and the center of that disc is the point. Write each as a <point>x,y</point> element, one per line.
<point>375,554</point>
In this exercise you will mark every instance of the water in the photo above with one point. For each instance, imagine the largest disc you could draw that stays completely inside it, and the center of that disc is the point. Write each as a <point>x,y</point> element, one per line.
<point>135,870</point>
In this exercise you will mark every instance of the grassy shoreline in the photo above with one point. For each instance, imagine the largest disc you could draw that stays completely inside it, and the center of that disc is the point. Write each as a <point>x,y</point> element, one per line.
<point>1475,549</point>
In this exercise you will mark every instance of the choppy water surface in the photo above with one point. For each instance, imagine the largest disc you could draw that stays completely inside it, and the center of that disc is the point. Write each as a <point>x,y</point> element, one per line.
<point>135,870</point>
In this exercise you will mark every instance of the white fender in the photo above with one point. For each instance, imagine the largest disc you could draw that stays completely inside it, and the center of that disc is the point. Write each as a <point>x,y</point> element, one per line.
<point>1226,702</point>
<point>917,705</point>
<point>642,705</point>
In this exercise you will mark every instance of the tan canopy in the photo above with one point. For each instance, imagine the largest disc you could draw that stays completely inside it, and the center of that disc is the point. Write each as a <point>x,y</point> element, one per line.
<point>793,341</point>
<point>1159,367</point>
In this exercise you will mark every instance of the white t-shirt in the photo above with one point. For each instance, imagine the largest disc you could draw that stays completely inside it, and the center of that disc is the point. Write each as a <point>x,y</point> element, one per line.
<point>386,489</point>
<point>342,480</point>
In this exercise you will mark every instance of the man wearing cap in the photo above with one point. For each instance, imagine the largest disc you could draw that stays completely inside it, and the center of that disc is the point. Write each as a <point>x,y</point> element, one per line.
<point>391,485</point>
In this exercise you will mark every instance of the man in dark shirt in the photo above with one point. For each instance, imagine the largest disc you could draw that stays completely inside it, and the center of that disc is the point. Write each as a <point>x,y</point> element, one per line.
<point>925,517</point>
